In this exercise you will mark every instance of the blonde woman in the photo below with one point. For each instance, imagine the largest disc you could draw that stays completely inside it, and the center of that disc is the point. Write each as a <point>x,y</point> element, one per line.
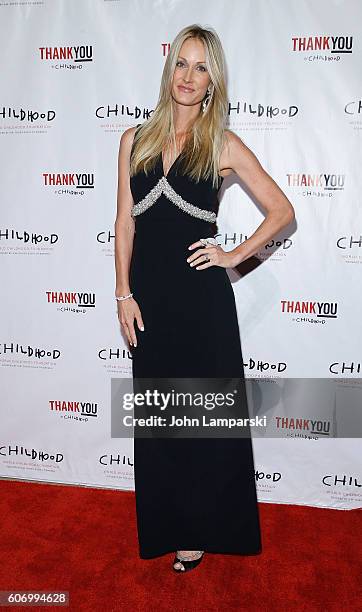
<point>176,304</point>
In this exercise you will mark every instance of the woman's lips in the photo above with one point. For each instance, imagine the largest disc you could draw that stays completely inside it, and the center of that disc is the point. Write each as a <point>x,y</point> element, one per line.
<point>185,89</point>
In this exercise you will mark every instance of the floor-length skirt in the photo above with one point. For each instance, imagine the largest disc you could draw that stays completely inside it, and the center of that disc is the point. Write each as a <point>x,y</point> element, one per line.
<point>193,493</point>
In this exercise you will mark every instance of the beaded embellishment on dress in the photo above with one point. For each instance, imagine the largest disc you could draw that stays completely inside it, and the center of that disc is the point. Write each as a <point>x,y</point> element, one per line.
<point>163,186</point>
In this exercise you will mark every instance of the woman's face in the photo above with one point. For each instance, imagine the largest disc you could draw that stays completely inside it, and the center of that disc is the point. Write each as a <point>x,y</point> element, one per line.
<point>191,77</point>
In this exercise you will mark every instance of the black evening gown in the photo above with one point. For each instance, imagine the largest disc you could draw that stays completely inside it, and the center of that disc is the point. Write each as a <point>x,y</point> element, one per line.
<point>191,493</point>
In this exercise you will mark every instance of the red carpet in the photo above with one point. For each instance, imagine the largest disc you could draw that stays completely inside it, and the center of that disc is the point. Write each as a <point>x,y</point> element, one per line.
<point>84,541</point>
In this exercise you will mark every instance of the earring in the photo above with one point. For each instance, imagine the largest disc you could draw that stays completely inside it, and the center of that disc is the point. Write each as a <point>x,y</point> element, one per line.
<point>206,100</point>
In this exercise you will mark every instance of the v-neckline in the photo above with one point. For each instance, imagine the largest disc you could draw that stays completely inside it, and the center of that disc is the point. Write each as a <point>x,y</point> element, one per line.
<point>170,168</point>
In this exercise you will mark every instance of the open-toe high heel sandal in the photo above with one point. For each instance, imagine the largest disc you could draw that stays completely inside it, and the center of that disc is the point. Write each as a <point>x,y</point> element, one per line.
<point>185,563</point>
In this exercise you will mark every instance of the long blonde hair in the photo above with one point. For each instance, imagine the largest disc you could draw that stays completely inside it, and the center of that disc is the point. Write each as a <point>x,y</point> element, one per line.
<point>202,149</point>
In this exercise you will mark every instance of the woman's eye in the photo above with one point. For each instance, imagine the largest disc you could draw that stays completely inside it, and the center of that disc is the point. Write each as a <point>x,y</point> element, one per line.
<point>179,64</point>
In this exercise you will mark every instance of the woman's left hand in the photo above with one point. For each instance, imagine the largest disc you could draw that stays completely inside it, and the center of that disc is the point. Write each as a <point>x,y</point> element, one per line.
<point>217,255</point>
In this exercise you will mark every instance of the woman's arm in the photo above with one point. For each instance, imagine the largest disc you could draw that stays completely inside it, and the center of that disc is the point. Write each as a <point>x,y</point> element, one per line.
<point>128,310</point>
<point>238,157</point>
<point>124,224</point>
<point>280,211</point>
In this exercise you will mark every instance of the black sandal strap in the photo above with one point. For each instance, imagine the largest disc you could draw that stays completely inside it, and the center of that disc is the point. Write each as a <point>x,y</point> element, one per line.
<point>188,565</point>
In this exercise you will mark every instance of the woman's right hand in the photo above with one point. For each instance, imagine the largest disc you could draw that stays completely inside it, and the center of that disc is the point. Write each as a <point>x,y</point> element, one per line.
<point>128,311</point>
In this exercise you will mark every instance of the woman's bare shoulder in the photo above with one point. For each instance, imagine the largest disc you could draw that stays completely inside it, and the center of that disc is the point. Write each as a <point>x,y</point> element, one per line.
<point>128,136</point>
<point>233,148</point>
<point>229,140</point>
<point>232,139</point>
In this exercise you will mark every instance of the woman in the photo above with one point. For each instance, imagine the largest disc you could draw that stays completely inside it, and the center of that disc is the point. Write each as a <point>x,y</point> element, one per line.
<point>176,304</point>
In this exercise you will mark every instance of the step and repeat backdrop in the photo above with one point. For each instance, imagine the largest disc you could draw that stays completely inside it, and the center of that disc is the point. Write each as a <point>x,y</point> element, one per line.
<point>74,76</point>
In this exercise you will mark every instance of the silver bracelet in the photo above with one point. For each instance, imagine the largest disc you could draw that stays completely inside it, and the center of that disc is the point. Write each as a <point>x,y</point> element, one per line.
<point>123,297</point>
